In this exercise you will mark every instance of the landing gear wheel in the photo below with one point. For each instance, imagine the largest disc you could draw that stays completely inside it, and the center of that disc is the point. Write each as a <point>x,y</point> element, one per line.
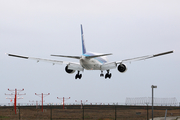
<point>101,75</point>
<point>78,75</point>
<point>106,75</point>
<point>110,76</point>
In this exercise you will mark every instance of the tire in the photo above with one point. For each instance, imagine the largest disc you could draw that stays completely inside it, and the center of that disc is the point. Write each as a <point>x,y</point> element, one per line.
<point>106,76</point>
<point>76,76</point>
<point>80,76</point>
<point>109,75</point>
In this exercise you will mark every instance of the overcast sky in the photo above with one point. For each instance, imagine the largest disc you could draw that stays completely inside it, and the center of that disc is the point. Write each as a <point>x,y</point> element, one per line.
<point>126,28</point>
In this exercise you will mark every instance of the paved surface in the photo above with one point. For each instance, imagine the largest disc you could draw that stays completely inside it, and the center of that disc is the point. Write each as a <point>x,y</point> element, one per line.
<point>167,118</point>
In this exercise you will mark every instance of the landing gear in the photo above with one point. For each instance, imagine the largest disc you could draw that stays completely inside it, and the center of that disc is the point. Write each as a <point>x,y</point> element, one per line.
<point>78,75</point>
<point>108,75</point>
<point>101,75</point>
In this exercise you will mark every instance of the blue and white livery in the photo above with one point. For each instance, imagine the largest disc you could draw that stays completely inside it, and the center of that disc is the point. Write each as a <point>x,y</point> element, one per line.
<point>92,61</point>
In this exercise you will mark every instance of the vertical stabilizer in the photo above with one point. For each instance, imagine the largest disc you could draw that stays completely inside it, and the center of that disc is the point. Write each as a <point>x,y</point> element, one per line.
<point>82,38</point>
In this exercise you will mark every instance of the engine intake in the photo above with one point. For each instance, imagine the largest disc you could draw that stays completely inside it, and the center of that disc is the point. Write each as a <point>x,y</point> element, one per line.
<point>69,70</point>
<point>122,68</point>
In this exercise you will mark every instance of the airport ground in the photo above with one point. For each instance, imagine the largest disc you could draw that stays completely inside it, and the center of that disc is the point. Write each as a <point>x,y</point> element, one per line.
<point>87,112</point>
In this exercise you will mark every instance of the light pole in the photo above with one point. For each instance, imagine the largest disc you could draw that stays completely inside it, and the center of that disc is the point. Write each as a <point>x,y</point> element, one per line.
<point>63,100</point>
<point>153,86</point>
<point>147,110</point>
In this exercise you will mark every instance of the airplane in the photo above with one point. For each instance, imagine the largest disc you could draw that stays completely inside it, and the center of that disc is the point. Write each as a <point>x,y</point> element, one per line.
<point>92,61</point>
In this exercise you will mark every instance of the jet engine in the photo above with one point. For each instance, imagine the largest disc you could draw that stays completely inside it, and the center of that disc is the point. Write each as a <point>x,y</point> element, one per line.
<point>69,70</point>
<point>122,68</point>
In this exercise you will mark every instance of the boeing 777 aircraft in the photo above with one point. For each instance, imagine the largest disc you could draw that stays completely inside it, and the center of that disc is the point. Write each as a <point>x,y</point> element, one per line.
<point>92,61</point>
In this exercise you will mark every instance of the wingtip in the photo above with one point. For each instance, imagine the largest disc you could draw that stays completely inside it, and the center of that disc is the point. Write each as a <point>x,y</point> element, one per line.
<point>53,55</point>
<point>172,51</point>
<point>7,54</point>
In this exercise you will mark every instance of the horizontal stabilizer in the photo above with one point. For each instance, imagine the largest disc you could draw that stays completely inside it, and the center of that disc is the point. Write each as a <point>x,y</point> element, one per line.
<point>94,56</point>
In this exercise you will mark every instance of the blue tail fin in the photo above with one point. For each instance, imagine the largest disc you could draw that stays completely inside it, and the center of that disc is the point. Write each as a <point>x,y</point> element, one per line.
<point>82,38</point>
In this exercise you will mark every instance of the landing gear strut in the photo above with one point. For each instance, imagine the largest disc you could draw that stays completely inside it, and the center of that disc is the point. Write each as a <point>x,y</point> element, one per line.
<point>78,75</point>
<point>108,75</point>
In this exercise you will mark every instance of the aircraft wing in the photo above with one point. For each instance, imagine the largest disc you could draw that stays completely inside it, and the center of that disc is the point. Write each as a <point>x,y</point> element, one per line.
<point>76,57</point>
<point>40,59</point>
<point>143,57</point>
<point>71,65</point>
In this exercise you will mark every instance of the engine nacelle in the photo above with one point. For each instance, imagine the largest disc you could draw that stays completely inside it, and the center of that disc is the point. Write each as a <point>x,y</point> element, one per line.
<point>122,68</point>
<point>69,70</point>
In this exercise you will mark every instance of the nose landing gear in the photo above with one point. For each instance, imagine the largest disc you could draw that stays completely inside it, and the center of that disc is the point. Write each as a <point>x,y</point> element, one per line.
<point>101,75</point>
<point>78,75</point>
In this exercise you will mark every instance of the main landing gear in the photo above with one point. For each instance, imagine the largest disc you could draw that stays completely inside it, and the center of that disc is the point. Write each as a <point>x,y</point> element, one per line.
<point>78,75</point>
<point>108,75</point>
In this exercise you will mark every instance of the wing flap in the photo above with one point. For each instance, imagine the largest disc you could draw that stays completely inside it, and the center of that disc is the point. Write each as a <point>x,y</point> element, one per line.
<point>76,57</point>
<point>48,60</point>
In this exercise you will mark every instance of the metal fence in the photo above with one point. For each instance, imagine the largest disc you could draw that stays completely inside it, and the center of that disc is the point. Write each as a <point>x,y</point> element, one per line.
<point>148,100</point>
<point>141,101</point>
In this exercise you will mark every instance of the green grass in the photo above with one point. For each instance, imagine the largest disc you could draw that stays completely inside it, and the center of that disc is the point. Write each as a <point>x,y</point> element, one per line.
<point>4,117</point>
